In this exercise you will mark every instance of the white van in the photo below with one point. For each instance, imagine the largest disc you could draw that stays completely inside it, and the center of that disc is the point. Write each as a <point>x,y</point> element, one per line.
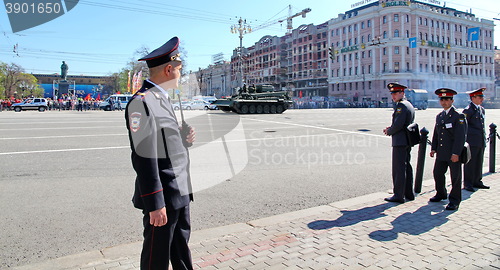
<point>123,98</point>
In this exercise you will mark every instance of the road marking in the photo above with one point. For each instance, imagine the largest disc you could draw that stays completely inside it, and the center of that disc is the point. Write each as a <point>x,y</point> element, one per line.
<point>65,128</point>
<point>322,128</point>
<point>64,150</point>
<point>68,136</point>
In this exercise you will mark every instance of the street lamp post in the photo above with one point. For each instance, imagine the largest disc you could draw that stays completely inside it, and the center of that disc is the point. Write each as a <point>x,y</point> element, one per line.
<point>242,28</point>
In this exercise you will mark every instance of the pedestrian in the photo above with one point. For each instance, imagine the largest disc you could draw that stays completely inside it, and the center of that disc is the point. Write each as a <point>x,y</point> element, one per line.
<point>476,138</point>
<point>111,104</point>
<point>161,161</point>
<point>448,141</point>
<point>402,172</point>
<point>118,104</point>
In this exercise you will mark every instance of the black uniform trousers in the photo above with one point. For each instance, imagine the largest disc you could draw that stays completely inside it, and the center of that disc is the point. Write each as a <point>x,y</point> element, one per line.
<point>440,169</point>
<point>402,173</point>
<point>168,242</point>
<point>473,170</point>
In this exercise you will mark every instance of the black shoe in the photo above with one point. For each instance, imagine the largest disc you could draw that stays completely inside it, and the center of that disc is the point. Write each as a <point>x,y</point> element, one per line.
<point>471,189</point>
<point>394,199</point>
<point>409,199</point>
<point>482,186</point>
<point>436,199</point>
<point>452,206</point>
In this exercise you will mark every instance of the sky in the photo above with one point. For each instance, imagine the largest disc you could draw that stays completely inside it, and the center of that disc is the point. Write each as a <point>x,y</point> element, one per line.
<point>99,37</point>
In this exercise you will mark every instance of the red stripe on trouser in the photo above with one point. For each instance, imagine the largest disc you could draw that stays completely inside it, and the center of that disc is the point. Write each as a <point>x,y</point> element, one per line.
<point>151,248</point>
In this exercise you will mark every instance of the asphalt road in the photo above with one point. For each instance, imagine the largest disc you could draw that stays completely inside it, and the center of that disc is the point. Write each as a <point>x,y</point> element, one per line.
<point>66,180</point>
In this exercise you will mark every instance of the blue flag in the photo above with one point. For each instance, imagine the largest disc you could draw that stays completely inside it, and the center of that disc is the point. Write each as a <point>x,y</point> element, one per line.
<point>413,42</point>
<point>473,34</point>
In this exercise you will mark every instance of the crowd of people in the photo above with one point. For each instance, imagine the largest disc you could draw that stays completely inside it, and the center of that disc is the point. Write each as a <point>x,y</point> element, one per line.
<point>60,104</point>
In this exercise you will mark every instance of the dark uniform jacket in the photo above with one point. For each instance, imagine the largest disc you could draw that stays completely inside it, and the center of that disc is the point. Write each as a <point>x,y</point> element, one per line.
<point>449,135</point>
<point>403,116</point>
<point>476,135</point>
<point>159,157</point>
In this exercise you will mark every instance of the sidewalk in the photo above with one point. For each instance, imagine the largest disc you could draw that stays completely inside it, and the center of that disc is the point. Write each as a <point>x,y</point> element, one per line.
<point>359,233</point>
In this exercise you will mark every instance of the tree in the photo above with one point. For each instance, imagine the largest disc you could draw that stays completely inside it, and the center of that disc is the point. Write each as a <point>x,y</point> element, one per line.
<point>10,78</point>
<point>13,80</point>
<point>28,86</point>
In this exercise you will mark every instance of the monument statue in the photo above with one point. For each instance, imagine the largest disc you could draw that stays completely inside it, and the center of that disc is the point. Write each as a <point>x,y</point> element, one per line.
<point>64,70</point>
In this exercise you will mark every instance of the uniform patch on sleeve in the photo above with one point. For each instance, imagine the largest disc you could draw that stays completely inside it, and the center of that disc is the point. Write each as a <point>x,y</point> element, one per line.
<point>398,110</point>
<point>461,121</point>
<point>135,121</point>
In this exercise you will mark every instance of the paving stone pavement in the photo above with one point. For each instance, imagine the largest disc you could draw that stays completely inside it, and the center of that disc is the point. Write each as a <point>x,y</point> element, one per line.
<point>359,233</point>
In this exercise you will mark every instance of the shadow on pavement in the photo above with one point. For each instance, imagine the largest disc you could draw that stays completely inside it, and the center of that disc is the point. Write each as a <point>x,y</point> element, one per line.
<point>421,221</point>
<point>351,217</point>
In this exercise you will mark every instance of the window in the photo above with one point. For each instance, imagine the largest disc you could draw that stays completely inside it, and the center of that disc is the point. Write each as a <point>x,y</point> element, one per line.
<point>407,18</point>
<point>396,17</point>
<point>369,23</point>
<point>396,33</point>
<point>396,67</point>
<point>396,50</point>
<point>384,51</point>
<point>385,34</point>
<point>362,25</point>
<point>384,19</point>
<point>407,33</point>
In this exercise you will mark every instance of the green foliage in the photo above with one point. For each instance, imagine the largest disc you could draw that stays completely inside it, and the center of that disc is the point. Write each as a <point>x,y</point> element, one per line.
<point>15,83</point>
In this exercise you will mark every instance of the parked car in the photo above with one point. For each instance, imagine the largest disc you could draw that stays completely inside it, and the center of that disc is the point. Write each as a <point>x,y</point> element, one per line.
<point>184,104</point>
<point>123,98</point>
<point>197,105</point>
<point>39,104</point>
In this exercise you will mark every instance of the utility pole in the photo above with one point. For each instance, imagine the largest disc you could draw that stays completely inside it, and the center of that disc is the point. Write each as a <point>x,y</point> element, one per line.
<point>242,28</point>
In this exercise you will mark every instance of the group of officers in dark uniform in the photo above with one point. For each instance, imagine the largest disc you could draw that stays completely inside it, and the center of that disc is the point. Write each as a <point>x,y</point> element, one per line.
<point>451,131</point>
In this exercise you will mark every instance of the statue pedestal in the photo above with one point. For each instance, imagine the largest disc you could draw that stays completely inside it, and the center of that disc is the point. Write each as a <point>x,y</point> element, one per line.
<point>63,87</point>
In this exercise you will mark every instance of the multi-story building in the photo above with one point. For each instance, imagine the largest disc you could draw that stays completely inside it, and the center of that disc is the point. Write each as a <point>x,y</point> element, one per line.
<point>497,74</point>
<point>417,44</point>
<point>215,80</point>
<point>307,54</point>
<point>422,45</point>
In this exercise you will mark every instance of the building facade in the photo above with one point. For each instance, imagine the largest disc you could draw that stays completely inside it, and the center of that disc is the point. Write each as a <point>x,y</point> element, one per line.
<point>422,45</point>
<point>417,44</point>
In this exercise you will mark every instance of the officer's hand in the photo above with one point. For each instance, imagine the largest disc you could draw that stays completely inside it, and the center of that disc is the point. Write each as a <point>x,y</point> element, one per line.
<point>454,158</point>
<point>432,153</point>
<point>385,130</point>
<point>191,137</point>
<point>158,217</point>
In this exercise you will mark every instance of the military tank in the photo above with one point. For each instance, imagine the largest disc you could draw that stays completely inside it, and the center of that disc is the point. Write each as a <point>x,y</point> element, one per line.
<point>260,99</point>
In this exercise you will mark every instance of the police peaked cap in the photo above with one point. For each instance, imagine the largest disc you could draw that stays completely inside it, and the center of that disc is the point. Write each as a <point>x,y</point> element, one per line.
<point>445,92</point>
<point>477,92</point>
<point>166,53</point>
<point>396,87</point>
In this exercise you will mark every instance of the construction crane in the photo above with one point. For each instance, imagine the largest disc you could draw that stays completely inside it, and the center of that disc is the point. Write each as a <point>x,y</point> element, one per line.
<point>288,20</point>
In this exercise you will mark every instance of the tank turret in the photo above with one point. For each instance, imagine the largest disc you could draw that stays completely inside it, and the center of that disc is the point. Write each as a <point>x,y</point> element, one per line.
<point>256,100</point>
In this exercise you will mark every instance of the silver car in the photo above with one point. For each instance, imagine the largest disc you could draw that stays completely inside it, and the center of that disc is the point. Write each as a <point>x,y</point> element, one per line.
<point>39,104</point>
